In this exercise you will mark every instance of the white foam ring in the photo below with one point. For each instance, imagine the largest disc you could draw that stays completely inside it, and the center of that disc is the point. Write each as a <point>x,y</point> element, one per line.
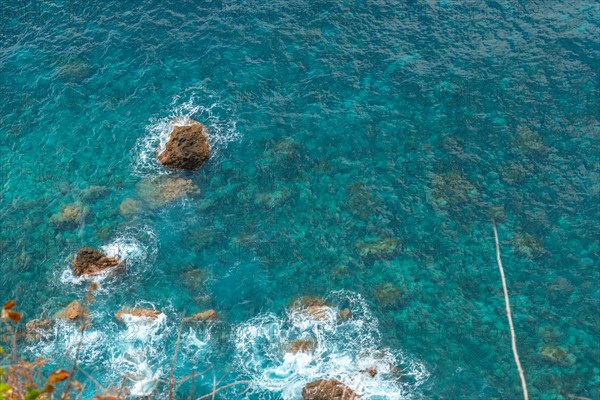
<point>343,350</point>
<point>203,108</point>
<point>137,247</point>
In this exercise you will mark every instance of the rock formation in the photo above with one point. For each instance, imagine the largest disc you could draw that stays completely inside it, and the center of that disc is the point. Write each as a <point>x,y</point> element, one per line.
<point>92,262</point>
<point>328,390</point>
<point>187,147</point>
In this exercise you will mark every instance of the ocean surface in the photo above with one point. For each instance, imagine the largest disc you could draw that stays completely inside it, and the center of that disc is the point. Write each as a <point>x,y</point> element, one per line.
<point>360,150</point>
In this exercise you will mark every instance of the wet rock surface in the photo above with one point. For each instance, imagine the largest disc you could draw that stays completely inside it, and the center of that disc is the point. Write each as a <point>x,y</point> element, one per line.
<point>187,147</point>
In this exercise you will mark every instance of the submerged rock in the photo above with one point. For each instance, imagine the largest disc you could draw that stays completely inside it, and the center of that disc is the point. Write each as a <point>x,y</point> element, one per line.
<point>37,329</point>
<point>301,346</point>
<point>273,199</point>
<point>528,141</point>
<point>203,316</point>
<point>558,355</point>
<point>129,207</point>
<point>452,189</point>
<point>71,215</point>
<point>92,262</point>
<point>158,191</point>
<point>93,192</point>
<point>146,313</point>
<point>328,390</point>
<point>187,147</point>
<point>378,247</point>
<point>527,245</point>
<point>74,69</point>
<point>314,307</point>
<point>388,294</point>
<point>320,313</point>
<point>307,301</point>
<point>345,314</point>
<point>359,200</point>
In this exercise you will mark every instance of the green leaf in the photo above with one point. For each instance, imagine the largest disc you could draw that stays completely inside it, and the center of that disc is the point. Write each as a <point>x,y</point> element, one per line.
<point>1,350</point>
<point>32,394</point>
<point>4,388</point>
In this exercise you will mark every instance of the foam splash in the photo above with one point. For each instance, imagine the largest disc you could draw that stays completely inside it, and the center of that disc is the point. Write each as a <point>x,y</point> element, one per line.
<point>343,350</point>
<point>140,354</point>
<point>195,343</point>
<point>221,132</point>
<point>134,350</point>
<point>136,247</point>
<point>64,341</point>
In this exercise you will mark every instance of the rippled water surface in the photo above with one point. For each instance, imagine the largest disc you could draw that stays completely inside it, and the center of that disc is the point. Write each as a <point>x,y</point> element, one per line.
<point>360,150</point>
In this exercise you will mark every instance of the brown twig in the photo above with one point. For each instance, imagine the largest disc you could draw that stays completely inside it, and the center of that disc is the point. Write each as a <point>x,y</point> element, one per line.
<point>90,377</point>
<point>215,391</point>
<point>191,396</point>
<point>121,387</point>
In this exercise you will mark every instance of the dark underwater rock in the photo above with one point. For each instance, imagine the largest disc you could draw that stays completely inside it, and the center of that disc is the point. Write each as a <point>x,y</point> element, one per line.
<point>92,262</point>
<point>388,294</point>
<point>70,216</point>
<point>345,314</point>
<point>327,390</point>
<point>129,207</point>
<point>156,192</point>
<point>558,355</point>
<point>187,147</point>
<point>301,346</point>
<point>378,247</point>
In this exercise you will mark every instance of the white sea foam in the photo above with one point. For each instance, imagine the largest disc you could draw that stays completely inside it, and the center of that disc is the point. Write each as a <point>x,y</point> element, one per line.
<point>139,350</point>
<point>139,355</point>
<point>195,343</point>
<point>199,106</point>
<point>343,350</point>
<point>133,350</point>
<point>64,342</point>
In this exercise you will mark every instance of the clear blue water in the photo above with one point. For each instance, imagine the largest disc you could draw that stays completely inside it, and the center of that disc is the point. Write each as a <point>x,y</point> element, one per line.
<point>333,125</point>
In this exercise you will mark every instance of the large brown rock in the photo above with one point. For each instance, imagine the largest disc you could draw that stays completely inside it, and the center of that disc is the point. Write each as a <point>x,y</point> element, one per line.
<point>328,390</point>
<point>73,312</point>
<point>187,147</point>
<point>92,262</point>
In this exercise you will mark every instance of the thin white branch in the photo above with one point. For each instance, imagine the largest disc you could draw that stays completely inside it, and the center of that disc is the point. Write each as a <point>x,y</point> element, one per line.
<point>509,316</point>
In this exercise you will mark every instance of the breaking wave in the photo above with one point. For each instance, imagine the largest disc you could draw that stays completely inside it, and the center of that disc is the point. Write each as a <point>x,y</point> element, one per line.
<point>344,349</point>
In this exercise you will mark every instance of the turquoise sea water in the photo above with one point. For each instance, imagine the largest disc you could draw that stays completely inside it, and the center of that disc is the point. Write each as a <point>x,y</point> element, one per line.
<point>359,151</point>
